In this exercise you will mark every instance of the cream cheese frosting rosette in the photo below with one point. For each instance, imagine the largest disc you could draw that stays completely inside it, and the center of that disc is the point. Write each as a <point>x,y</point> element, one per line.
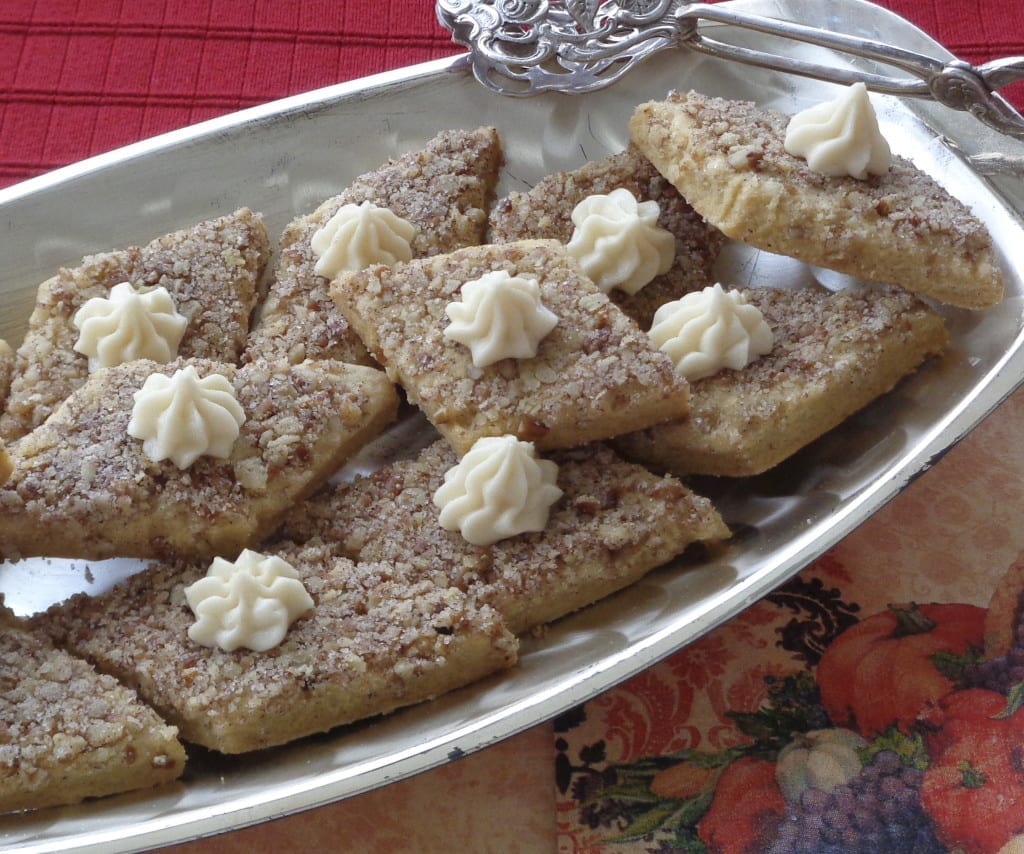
<point>840,137</point>
<point>184,417</point>
<point>250,603</point>
<point>709,330</point>
<point>500,316</point>
<point>358,236</point>
<point>128,325</point>
<point>499,489</point>
<point>618,241</point>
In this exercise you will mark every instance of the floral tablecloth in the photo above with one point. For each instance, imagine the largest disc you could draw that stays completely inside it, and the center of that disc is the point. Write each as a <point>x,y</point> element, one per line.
<point>875,655</point>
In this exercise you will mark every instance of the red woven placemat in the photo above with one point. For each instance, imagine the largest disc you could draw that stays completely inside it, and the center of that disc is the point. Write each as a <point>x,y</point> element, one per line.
<point>79,78</point>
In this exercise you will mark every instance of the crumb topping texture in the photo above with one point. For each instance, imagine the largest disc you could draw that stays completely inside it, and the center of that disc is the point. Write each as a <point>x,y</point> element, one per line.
<point>211,271</point>
<point>545,212</point>
<point>614,523</point>
<point>378,637</point>
<point>67,732</point>
<point>82,487</point>
<point>595,374</point>
<point>728,159</point>
<point>833,354</point>
<point>444,190</point>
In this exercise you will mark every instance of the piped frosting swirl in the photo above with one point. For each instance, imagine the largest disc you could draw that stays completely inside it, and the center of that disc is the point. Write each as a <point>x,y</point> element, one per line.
<point>708,330</point>
<point>500,316</point>
<point>499,489</point>
<point>184,417</point>
<point>618,241</point>
<point>840,137</point>
<point>358,236</point>
<point>250,603</point>
<point>128,325</point>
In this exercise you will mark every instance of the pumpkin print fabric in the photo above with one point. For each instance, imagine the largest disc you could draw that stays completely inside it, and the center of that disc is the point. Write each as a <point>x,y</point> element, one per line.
<point>854,709</point>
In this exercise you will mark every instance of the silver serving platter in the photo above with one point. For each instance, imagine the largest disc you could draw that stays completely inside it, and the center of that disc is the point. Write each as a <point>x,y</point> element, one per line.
<point>283,159</point>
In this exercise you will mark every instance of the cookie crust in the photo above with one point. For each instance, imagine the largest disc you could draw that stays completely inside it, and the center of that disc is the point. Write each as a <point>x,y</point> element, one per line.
<point>70,733</point>
<point>212,272</point>
<point>833,354</point>
<point>595,375</point>
<point>444,189</point>
<point>614,523</point>
<point>82,487</point>
<point>727,158</point>
<point>378,638</point>
<point>545,213</point>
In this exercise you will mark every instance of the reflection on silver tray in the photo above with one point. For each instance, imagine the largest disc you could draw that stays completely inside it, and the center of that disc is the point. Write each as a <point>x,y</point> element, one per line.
<point>302,150</point>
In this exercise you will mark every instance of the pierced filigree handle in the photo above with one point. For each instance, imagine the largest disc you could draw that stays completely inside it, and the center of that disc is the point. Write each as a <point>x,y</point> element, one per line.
<point>522,47</point>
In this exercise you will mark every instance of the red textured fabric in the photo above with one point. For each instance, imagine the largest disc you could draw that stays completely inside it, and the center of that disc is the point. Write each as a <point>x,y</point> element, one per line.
<point>78,77</point>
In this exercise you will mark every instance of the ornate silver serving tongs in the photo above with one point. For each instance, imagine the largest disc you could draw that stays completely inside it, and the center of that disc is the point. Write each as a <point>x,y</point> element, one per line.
<point>522,47</point>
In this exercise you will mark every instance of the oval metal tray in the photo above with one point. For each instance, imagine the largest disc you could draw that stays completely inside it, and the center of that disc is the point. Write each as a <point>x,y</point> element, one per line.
<point>283,159</point>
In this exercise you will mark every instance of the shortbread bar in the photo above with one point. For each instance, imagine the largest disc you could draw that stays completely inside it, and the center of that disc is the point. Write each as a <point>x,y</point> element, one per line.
<point>69,733</point>
<point>211,271</point>
<point>833,354</point>
<point>82,487</point>
<point>546,212</point>
<point>727,158</point>
<point>377,638</point>
<point>444,190</point>
<point>595,374</point>
<point>614,523</point>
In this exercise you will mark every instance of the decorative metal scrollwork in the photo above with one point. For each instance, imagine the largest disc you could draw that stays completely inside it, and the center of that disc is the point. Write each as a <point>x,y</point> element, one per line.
<point>529,46</point>
<point>522,47</point>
